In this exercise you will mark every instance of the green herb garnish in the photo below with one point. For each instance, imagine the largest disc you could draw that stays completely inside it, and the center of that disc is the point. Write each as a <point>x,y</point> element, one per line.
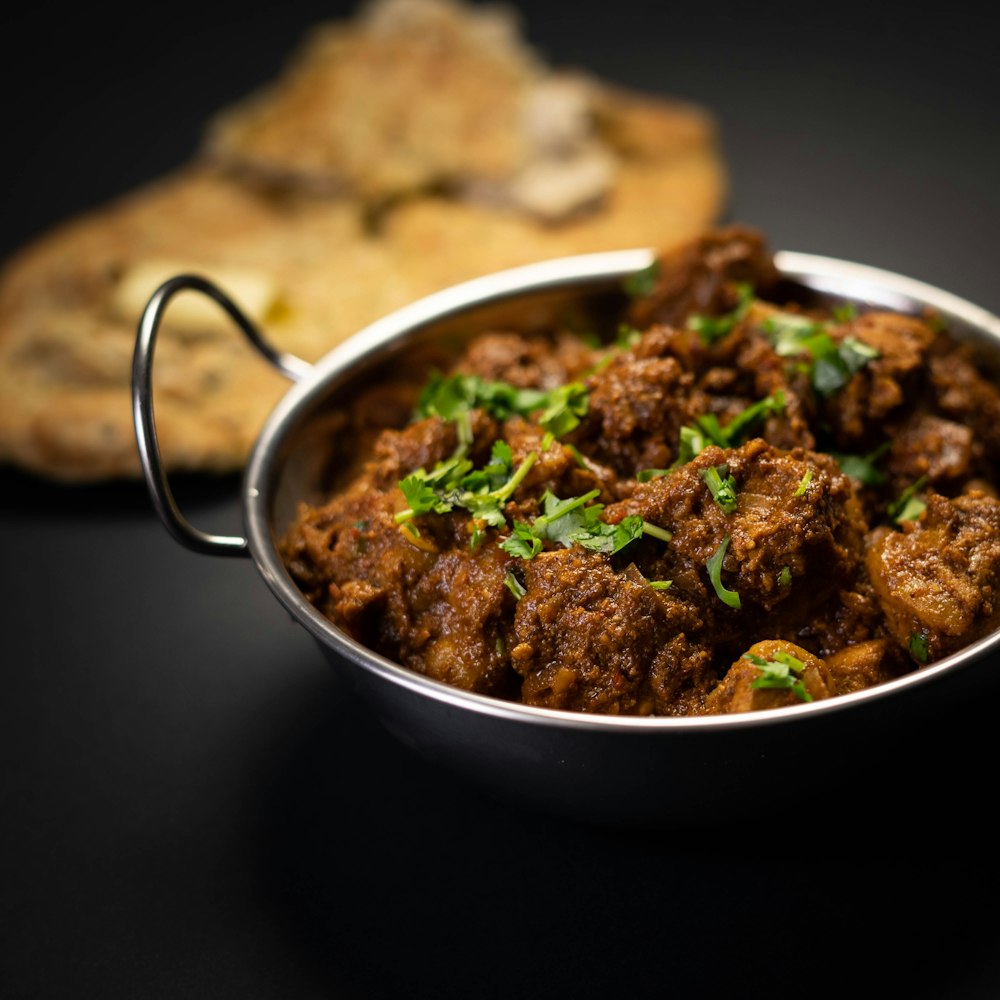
<point>863,467</point>
<point>628,336</point>
<point>564,408</point>
<point>832,365</point>
<point>574,521</point>
<point>642,282</point>
<point>908,506</point>
<point>723,490</point>
<point>804,483</point>
<point>713,328</point>
<point>832,370</point>
<point>645,475</point>
<point>514,585</point>
<point>707,430</point>
<point>918,647</point>
<point>845,312</point>
<point>782,672</point>
<point>714,567</point>
<point>454,483</point>
<point>453,397</point>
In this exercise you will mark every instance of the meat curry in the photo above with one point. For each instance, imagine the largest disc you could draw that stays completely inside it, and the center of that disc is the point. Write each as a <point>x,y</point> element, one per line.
<point>731,501</point>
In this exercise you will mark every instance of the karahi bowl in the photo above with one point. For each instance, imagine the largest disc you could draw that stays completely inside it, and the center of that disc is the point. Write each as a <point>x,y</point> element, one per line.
<point>610,770</point>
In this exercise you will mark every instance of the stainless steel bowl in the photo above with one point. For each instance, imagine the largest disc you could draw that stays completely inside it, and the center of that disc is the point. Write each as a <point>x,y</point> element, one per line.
<point>624,771</point>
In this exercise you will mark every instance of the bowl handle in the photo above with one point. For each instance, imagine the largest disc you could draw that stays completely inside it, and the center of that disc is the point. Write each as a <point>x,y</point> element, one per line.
<point>142,408</point>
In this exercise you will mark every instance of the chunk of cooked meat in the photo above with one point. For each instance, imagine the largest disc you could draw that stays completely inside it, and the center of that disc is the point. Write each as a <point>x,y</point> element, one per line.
<point>857,413</point>
<point>934,449</point>
<point>937,578</point>
<point>701,277</point>
<point>771,674</point>
<point>595,640</point>
<point>692,517</point>
<point>863,665</point>
<point>794,531</point>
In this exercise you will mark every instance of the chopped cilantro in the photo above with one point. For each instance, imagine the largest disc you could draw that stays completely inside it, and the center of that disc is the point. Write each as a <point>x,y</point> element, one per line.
<point>863,467</point>
<point>628,336</point>
<point>565,407</point>
<point>714,567</point>
<point>785,576</point>
<point>782,672</point>
<point>804,483</point>
<point>452,397</point>
<point>422,498</point>
<point>832,364</point>
<point>713,328</point>
<point>694,440</point>
<point>642,282</point>
<point>655,531</point>
<point>514,585</point>
<point>845,312</point>
<point>737,429</point>
<point>660,584</point>
<point>908,506</point>
<point>834,369</point>
<point>792,335</point>
<point>918,647</point>
<point>723,490</point>
<point>645,475</point>
<point>574,521</point>
<point>522,543</point>
<point>455,483</point>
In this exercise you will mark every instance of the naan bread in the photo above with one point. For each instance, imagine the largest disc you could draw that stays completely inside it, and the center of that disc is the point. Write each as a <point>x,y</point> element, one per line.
<point>319,217</point>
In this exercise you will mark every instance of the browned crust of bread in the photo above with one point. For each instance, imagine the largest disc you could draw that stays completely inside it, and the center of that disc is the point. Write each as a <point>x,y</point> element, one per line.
<point>66,340</point>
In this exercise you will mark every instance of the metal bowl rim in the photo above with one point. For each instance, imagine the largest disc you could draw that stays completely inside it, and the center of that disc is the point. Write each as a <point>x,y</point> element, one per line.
<point>827,274</point>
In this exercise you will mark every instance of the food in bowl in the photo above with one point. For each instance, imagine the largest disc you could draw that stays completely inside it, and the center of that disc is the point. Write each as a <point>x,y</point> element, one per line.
<point>723,499</point>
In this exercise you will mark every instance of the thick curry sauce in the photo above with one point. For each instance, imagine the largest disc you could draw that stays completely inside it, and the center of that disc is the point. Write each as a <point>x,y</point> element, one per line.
<point>730,502</point>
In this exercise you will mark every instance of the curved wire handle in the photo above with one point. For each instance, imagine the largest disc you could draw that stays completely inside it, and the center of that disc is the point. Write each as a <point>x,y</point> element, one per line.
<point>142,408</point>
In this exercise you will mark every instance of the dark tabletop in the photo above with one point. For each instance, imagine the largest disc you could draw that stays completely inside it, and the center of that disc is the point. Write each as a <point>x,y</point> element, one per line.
<point>192,804</point>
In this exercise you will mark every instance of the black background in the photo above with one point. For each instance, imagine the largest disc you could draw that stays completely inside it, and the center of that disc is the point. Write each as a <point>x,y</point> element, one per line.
<point>192,803</point>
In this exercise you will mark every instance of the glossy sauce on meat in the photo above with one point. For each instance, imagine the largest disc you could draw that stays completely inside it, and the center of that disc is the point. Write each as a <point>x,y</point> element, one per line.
<point>731,503</point>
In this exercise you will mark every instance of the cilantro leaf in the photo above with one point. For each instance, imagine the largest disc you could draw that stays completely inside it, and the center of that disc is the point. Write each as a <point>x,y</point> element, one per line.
<point>908,506</point>
<point>455,483</point>
<point>627,337</point>
<point>723,490</point>
<point>453,397</point>
<point>863,467</point>
<point>782,672</point>
<point>918,647</point>
<point>421,497</point>
<point>642,282</point>
<point>714,567</point>
<point>514,585</point>
<point>522,542</point>
<point>565,408</point>
<point>645,475</point>
<point>713,328</point>
<point>792,335</point>
<point>574,521</point>
<point>708,430</point>
<point>832,364</point>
